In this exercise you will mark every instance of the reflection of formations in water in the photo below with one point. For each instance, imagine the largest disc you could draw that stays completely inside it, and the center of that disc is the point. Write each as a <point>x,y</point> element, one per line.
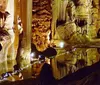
<point>7,66</point>
<point>77,59</point>
<point>5,75</point>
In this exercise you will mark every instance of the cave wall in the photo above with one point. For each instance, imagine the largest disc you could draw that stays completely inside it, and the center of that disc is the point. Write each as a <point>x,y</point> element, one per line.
<point>41,23</point>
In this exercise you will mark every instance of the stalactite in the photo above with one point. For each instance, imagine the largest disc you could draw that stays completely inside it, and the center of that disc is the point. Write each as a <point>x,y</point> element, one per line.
<point>62,10</point>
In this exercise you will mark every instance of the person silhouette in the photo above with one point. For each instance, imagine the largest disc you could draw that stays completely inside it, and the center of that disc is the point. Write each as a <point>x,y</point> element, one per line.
<point>45,76</point>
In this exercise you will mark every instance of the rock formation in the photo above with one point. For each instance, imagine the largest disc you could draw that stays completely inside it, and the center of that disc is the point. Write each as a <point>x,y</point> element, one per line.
<point>41,23</point>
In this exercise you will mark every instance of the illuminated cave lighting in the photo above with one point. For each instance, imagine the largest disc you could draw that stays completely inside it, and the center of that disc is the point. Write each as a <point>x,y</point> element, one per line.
<point>32,55</point>
<point>40,56</point>
<point>61,44</point>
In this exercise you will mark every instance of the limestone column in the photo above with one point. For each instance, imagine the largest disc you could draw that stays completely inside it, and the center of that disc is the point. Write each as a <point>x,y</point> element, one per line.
<point>26,17</point>
<point>16,26</point>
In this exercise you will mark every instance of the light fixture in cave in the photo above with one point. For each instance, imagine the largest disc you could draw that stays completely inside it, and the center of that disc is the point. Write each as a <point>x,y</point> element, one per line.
<point>40,56</point>
<point>32,55</point>
<point>61,44</point>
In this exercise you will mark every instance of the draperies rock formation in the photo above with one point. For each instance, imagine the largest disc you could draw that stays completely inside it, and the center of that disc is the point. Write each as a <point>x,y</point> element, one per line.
<point>41,23</point>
